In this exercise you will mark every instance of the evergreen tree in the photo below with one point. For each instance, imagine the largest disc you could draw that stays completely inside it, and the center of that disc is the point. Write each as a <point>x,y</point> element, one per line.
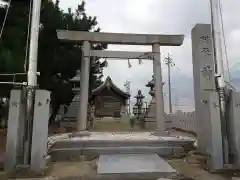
<point>54,56</point>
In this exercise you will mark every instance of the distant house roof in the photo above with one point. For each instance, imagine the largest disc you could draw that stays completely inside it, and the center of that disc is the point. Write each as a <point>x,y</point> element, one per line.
<point>109,84</point>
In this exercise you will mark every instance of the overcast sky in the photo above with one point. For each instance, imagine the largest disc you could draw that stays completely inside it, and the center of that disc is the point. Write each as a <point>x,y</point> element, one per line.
<point>159,16</point>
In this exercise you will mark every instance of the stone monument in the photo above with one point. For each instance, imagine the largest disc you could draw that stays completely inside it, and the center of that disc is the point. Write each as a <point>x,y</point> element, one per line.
<point>204,86</point>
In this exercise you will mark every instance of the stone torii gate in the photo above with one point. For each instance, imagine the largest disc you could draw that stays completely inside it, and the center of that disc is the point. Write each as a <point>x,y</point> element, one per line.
<point>124,39</point>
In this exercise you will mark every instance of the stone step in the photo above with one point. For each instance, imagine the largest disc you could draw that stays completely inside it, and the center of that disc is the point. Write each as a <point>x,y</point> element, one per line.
<point>134,165</point>
<point>71,153</point>
<point>187,145</point>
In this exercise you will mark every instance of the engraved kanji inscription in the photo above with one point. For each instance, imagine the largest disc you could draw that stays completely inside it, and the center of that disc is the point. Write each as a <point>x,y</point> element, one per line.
<point>207,71</point>
<point>204,39</point>
<point>206,51</point>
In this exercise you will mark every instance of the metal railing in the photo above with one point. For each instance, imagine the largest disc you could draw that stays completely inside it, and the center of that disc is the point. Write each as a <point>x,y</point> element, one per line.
<point>14,78</point>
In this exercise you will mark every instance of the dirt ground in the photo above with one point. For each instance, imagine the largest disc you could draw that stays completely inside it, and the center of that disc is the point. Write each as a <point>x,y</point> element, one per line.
<point>190,170</point>
<point>84,169</point>
<point>195,171</point>
<point>74,169</point>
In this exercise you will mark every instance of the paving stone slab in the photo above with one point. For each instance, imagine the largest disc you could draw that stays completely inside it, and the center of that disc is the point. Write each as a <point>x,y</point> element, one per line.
<point>132,163</point>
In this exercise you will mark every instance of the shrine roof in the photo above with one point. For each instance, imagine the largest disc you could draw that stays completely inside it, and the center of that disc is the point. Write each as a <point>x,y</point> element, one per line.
<point>109,84</point>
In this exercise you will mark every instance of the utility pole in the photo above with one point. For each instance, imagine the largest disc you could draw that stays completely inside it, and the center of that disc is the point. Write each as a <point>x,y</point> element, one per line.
<point>128,90</point>
<point>32,78</point>
<point>218,55</point>
<point>169,62</point>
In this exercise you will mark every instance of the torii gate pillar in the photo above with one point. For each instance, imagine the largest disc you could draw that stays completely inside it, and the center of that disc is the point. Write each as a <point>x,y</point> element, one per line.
<point>157,70</point>
<point>84,84</point>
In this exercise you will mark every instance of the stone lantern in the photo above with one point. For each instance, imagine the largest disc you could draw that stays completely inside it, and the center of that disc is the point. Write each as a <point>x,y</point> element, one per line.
<point>71,115</point>
<point>150,84</point>
<point>151,114</point>
<point>137,109</point>
<point>75,81</point>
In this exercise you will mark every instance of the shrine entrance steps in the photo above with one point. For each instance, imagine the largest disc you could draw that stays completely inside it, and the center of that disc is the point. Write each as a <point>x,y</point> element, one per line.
<point>121,155</point>
<point>92,144</point>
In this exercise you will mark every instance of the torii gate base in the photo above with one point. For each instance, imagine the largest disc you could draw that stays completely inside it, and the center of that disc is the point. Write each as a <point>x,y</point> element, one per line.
<point>127,39</point>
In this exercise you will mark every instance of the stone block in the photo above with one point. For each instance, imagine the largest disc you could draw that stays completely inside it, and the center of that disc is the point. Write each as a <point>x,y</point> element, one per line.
<point>40,130</point>
<point>132,163</point>
<point>204,80</point>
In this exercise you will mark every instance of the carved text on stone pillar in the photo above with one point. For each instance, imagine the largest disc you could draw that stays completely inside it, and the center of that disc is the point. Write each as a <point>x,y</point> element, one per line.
<point>206,51</point>
<point>204,39</point>
<point>207,71</point>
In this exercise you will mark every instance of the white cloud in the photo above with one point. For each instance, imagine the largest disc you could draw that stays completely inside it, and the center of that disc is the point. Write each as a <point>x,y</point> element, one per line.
<point>159,16</point>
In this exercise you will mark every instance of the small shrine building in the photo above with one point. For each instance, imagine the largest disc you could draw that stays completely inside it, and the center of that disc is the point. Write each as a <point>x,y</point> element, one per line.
<point>109,100</point>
